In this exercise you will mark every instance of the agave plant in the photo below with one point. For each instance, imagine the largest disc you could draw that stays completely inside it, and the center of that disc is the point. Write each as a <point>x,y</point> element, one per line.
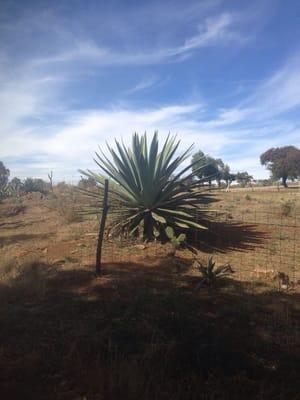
<point>209,273</point>
<point>149,189</point>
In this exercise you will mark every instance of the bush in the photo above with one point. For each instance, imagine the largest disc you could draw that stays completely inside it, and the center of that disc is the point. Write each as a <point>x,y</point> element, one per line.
<point>287,208</point>
<point>35,185</point>
<point>87,183</point>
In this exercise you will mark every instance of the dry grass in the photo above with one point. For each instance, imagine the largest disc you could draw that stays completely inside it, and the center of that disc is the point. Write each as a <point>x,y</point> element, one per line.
<point>65,201</point>
<point>277,243</point>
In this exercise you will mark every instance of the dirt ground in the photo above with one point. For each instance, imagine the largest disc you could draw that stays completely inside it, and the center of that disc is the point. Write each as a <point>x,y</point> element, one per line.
<point>247,229</point>
<point>142,330</point>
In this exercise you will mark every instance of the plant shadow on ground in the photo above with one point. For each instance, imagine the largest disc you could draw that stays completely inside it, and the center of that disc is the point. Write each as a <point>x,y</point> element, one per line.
<point>16,224</point>
<point>227,236</point>
<point>143,332</point>
<point>12,239</point>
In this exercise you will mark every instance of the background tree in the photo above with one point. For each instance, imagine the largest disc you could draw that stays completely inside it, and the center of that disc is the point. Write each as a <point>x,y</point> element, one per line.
<point>35,185</point>
<point>219,164</point>
<point>243,178</point>
<point>209,167</point>
<point>213,169</point>
<point>227,176</point>
<point>15,187</point>
<point>4,175</point>
<point>283,162</point>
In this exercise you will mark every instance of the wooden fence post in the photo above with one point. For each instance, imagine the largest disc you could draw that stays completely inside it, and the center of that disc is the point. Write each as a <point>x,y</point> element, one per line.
<point>50,176</point>
<point>102,227</point>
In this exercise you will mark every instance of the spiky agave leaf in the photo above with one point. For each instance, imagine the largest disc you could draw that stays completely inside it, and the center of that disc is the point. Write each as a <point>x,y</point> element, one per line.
<point>149,190</point>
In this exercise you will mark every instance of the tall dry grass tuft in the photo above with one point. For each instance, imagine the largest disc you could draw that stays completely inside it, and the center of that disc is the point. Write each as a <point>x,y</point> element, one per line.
<point>28,275</point>
<point>66,201</point>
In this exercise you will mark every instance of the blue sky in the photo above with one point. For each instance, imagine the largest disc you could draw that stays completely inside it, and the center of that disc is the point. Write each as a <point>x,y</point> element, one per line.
<point>224,75</point>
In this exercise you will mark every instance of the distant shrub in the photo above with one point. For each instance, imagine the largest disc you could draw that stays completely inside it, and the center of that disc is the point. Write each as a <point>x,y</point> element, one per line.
<point>283,236</point>
<point>248,197</point>
<point>287,208</point>
<point>264,182</point>
<point>87,183</point>
<point>35,185</point>
<point>61,187</point>
<point>272,247</point>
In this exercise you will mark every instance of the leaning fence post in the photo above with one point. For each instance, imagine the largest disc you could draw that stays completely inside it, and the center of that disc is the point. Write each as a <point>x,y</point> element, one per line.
<point>50,176</point>
<point>102,227</point>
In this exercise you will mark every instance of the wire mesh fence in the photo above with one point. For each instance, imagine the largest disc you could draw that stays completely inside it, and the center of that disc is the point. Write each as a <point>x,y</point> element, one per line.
<point>258,244</point>
<point>250,229</point>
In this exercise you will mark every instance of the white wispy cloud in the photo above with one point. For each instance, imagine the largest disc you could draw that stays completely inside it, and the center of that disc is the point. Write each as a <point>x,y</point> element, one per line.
<point>237,134</point>
<point>71,143</point>
<point>145,83</point>
<point>218,30</point>
<point>280,93</point>
<point>276,95</point>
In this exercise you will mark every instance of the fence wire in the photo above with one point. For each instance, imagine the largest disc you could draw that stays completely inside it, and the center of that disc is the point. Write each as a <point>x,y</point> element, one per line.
<point>257,244</point>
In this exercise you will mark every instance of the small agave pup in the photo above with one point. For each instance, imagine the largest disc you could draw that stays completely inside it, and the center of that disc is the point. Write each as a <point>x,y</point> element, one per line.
<point>149,189</point>
<point>209,273</point>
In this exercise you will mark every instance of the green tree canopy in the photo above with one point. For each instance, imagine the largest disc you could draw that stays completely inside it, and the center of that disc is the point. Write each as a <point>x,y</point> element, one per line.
<point>243,178</point>
<point>207,168</point>
<point>15,186</point>
<point>35,185</point>
<point>283,162</point>
<point>4,175</point>
<point>212,168</point>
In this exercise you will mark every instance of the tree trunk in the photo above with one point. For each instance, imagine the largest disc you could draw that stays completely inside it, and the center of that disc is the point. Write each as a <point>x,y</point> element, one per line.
<point>284,179</point>
<point>148,227</point>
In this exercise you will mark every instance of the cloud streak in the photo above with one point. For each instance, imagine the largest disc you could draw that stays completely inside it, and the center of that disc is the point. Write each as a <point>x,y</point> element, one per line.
<point>217,30</point>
